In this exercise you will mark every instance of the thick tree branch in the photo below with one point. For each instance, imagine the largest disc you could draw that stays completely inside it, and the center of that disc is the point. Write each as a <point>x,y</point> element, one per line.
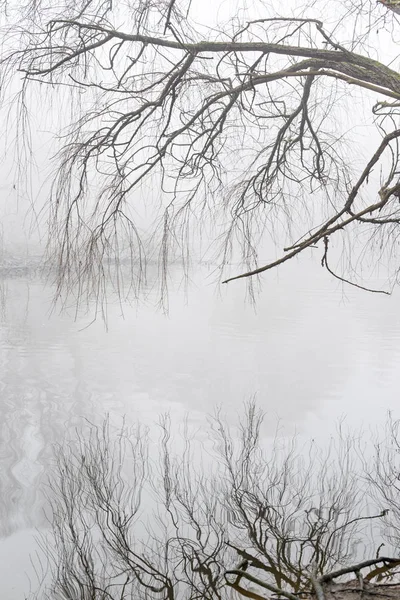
<point>169,103</point>
<point>263,584</point>
<point>391,562</point>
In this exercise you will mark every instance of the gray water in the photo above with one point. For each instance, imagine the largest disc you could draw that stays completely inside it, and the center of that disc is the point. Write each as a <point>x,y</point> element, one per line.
<point>312,352</point>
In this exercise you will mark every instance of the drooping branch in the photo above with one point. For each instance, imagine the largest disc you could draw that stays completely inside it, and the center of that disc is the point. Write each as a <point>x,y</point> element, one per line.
<point>170,104</point>
<point>331,226</point>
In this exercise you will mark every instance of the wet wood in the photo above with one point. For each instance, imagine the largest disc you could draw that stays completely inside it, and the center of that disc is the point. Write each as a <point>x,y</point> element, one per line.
<point>352,590</point>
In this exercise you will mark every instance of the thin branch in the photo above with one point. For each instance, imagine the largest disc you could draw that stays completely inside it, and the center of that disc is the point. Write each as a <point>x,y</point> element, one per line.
<point>324,263</point>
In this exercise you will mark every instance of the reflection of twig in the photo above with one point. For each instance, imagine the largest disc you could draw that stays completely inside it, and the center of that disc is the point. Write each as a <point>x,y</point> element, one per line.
<point>167,20</point>
<point>379,547</point>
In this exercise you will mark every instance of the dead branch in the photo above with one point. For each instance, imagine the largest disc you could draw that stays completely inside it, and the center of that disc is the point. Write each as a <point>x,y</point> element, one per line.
<point>390,563</point>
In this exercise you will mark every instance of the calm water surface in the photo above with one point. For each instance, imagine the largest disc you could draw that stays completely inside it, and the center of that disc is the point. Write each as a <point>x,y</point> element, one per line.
<point>312,353</point>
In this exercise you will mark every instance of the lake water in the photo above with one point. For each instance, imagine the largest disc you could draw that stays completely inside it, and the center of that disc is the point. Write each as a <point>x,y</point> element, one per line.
<point>312,352</point>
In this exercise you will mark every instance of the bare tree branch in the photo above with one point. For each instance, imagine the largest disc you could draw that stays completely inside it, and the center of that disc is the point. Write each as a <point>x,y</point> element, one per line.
<point>169,104</point>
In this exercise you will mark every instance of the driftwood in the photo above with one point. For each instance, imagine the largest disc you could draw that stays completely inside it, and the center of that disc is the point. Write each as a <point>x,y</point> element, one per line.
<point>352,590</point>
<point>349,590</point>
<point>383,571</point>
<point>393,5</point>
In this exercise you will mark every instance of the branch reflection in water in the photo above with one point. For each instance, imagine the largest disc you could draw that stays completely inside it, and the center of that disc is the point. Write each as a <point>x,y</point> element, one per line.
<point>310,352</point>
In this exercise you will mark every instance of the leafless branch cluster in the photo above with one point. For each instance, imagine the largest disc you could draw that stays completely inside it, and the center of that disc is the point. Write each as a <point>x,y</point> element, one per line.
<point>298,516</point>
<point>385,477</point>
<point>243,126</point>
<point>129,520</point>
<point>124,527</point>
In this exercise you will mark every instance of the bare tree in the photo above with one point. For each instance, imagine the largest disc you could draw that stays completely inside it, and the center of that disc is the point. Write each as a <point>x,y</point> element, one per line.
<point>128,523</point>
<point>242,129</point>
